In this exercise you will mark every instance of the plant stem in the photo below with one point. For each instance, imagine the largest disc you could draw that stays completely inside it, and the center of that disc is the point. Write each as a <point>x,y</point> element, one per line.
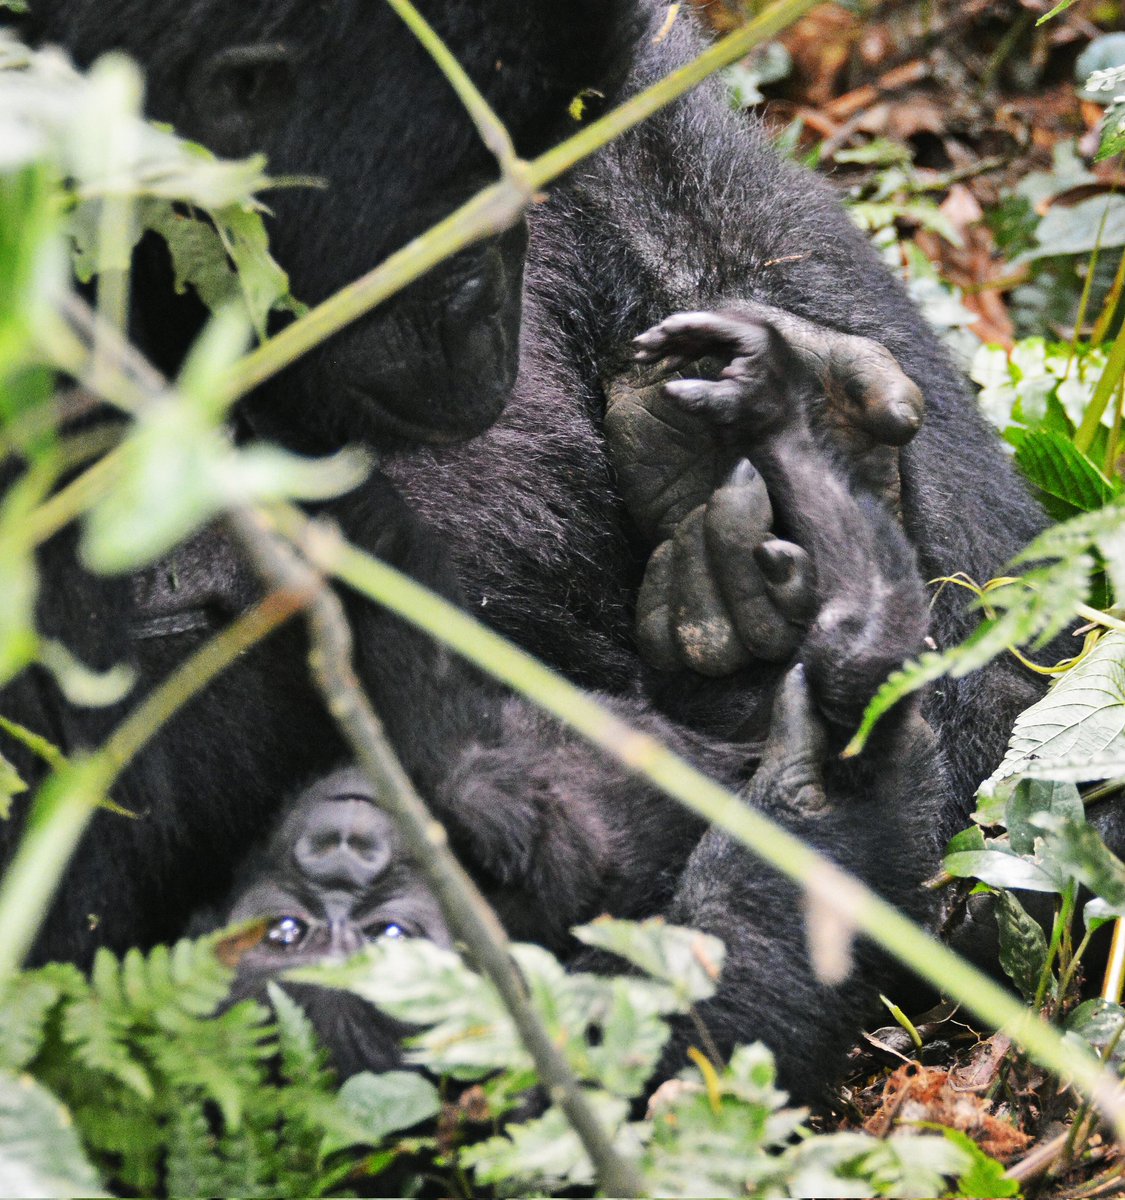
<point>492,130</point>
<point>494,209</point>
<point>468,913</point>
<point>643,754</point>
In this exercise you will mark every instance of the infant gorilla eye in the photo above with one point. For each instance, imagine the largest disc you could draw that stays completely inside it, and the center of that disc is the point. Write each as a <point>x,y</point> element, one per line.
<point>287,932</point>
<point>388,932</point>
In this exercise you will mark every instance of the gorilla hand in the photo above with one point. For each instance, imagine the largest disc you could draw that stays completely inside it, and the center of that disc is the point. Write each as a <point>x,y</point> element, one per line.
<point>859,401</point>
<point>841,590</point>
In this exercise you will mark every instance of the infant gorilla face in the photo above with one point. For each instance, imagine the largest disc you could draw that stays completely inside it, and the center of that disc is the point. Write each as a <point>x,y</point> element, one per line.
<point>333,877</point>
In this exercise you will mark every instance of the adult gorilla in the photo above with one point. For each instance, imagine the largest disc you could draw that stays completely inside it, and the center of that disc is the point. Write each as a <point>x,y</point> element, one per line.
<point>691,211</point>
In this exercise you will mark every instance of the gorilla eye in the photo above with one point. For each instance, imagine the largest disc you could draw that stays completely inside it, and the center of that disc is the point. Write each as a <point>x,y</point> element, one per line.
<point>389,932</point>
<point>287,932</point>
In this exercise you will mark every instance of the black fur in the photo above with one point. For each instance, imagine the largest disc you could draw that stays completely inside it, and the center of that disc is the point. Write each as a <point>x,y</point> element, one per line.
<point>524,524</point>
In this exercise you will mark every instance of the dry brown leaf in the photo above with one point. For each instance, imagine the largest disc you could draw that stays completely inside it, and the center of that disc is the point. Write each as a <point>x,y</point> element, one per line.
<point>915,1095</point>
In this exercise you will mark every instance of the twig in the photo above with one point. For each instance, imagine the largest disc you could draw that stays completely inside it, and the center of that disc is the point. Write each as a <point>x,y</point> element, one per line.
<point>492,130</point>
<point>468,913</point>
<point>644,755</point>
<point>496,208</point>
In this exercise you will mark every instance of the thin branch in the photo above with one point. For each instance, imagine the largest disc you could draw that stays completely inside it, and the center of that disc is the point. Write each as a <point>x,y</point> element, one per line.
<point>647,757</point>
<point>496,208</point>
<point>69,797</point>
<point>492,130</point>
<point>468,913</point>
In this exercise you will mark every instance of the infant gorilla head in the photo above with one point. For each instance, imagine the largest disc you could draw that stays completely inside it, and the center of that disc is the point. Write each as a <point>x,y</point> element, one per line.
<point>333,877</point>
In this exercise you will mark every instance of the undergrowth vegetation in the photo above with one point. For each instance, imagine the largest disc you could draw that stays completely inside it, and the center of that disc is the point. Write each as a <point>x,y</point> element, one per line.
<point>142,1078</point>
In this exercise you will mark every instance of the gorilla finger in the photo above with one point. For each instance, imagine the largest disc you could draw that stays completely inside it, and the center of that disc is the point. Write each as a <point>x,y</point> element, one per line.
<point>721,401</point>
<point>790,578</point>
<point>696,333</point>
<point>884,401</point>
<point>655,640</point>
<point>707,640</point>
<point>738,518</point>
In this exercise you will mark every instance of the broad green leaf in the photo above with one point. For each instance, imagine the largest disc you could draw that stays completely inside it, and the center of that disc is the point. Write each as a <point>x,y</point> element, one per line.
<point>689,961</point>
<point>1063,473</point>
<point>1005,869</point>
<point>1077,731</point>
<point>1077,229</point>
<point>1078,850</point>
<point>968,839</point>
<point>371,1107</point>
<point>40,1154</point>
<point>1029,800</point>
<point>176,473</point>
<point>1099,1024</point>
<point>1023,945</point>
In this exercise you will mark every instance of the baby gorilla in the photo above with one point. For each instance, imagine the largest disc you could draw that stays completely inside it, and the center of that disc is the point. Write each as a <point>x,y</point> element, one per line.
<point>332,877</point>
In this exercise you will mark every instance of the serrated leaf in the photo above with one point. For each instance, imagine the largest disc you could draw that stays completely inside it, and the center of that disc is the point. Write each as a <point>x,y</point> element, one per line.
<point>27,1000</point>
<point>1023,945</point>
<point>543,1152</point>
<point>688,961</point>
<point>984,1178</point>
<point>1060,470</point>
<point>1079,724</point>
<point>40,1154</point>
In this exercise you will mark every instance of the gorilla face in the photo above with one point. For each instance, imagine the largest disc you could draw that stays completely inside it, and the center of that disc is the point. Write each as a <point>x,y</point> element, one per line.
<point>342,98</point>
<point>333,878</point>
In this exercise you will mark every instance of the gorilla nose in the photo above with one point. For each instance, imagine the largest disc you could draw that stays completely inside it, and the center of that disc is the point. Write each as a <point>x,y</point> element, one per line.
<point>344,844</point>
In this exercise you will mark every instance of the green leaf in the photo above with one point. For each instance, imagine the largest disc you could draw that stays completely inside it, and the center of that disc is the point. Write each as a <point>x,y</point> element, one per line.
<point>1077,229</point>
<point>1005,869</point>
<point>1078,850</point>
<point>26,1002</point>
<point>1063,473</point>
<point>1099,1023</point>
<point>1112,140</point>
<point>1077,731</point>
<point>1023,945</point>
<point>967,840</point>
<point>40,1154</point>
<point>1029,801</point>
<point>371,1107</point>
<point>545,1153</point>
<point>985,1178</point>
<point>688,961</point>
